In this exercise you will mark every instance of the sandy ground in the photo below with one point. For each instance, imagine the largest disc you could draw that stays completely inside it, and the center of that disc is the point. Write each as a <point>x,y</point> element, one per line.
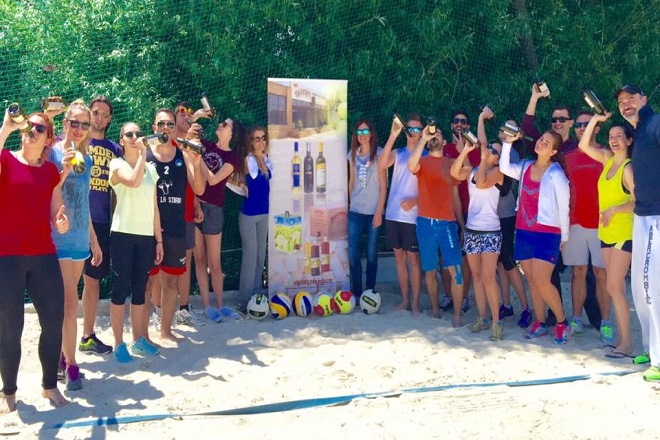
<point>246,363</point>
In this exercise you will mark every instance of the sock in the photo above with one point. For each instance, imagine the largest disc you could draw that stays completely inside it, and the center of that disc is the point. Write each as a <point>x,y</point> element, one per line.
<point>185,307</point>
<point>563,322</point>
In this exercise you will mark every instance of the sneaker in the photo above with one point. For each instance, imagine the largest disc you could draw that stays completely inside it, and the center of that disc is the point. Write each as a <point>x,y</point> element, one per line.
<point>446,303</point>
<point>72,378</point>
<point>652,374</point>
<point>228,312</point>
<point>465,305</point>
<point>576,326</point>
<point>561,332</point>
<point>606,332</point>
<point>144,348</point>
<point>61,368</point>
<point>497,332</point>
<point>505,311</point>
<point>155,320</point>
<point>93,344</point>
<point>213,314</point>
<point>538,329</point>
<point>183,317</point>
<point>121,353</point>
<point>642,359</point>
<point>525,318</point>
<point>479,324</point>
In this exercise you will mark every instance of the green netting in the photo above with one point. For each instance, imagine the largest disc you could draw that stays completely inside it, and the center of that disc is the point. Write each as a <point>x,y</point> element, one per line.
<point>428,56</point>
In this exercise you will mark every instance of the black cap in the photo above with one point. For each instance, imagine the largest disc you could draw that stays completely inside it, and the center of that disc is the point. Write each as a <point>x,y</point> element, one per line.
<point>630,89</point>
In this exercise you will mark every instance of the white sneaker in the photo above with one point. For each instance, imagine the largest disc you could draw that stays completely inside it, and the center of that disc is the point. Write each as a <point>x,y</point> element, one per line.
<point>155,320</point>
<point>183,317</point>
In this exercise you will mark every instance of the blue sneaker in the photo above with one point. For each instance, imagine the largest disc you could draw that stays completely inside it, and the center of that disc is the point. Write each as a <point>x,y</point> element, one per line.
<point>228,312</point>
<point>121,353</point>
<point>446,303</point>
<point>213,314</point>
<point>537,330</point>
<point>576,326</point>
<point>525,318</point>
<point>144,348</point>
<point>562,333</point>
<point>465,305</point>
<point>606,334</point>
<point>505,311</point>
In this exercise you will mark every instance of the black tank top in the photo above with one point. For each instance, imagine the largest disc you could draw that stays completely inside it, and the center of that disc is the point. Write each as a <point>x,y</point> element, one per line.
<point>171,193</point>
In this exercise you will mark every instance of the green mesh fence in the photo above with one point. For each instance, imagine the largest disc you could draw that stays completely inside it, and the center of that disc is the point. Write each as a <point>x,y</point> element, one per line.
<point>427,56</point>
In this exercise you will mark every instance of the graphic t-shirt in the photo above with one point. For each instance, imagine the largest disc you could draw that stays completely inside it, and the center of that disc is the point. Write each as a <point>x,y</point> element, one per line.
<point>102,151</point>
<point>215,158</point>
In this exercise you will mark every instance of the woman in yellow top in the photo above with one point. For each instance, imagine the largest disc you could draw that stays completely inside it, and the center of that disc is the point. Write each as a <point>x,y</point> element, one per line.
<point>616,200</point>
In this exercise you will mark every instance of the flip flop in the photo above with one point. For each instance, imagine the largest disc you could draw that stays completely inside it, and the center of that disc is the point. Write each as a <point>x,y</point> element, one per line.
<point>619,355</point>
<point>609,346</point>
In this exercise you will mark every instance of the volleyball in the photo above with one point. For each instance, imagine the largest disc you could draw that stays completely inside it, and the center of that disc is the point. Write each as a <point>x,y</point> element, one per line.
<point>280,306</point>
<point>370,302</point>
<point>344,302</point>
<point>302,303</point>
<point>323,304</point>
<point>257,307</point>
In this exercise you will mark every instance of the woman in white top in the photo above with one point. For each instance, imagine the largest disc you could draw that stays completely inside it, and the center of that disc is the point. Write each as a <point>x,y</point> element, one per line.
<point>483,238</point>
<point>135,224</point>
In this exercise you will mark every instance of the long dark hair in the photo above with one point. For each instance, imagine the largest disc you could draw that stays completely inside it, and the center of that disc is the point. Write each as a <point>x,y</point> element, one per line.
<point>373,142</point>
<point>237,135</point>
<point>244,149</point>
<point>557,143</point>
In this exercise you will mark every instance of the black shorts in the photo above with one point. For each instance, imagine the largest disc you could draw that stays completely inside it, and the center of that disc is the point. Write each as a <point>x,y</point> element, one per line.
<point>625,246</point>
<point>132,259</point>
<point>101,271</point>
<point>190,235</point>
<point>508,228</point>
<point>174,258</point>
<point>213,219</point>
<point>401,235</point>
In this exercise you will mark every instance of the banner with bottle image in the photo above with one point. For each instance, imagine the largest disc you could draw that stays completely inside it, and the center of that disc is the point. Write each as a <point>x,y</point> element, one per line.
<point>308,225</point>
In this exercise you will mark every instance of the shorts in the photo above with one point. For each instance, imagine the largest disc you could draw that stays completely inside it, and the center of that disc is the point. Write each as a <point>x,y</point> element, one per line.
<point>539,245</point>
<point>482,242</point>
<point>190,235</point>
<point>101,271</point>
<point>401,235</point>
<point>433,234</point>
<point>508,226</point>
<point>132,259</point>
<point>174,258</point>
<point>213,219</point>
<point>625,246</point>
<point>73,255</point>
<point>582,242</point>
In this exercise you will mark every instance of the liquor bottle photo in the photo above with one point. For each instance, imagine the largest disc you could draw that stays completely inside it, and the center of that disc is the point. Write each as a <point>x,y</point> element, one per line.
<point>308,170</point>
<point>296,165</point>
<point>320,170</point>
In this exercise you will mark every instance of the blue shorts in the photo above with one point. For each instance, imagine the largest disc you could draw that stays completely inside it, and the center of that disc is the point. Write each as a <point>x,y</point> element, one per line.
<point>72,255</point>
<point>540,245</point>
<point>433,234</point>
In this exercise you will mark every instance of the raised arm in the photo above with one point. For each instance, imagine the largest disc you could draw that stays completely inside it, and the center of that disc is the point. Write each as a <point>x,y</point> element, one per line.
<point>416,155</point>
<point>528,123</point>
<point>459,169</point>
<point>132,178</point>
<point>194,171</point>
<point>601,155</point>
<point>486,114</point>
<point>513,170</point>
<point>386,158</point>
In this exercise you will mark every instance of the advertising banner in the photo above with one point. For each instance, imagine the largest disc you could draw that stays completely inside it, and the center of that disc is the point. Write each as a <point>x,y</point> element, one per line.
<point>308,225</point>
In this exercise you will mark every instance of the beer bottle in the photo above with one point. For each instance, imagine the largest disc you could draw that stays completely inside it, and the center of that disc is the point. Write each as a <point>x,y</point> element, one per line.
<point>154,140</point>
<point>593,101</point>
<point>17,115</point>
<point>53,103</point>
<point>431,124</point>
<point>78,160</point>
<point>191,145</point>
<point>206,105</point>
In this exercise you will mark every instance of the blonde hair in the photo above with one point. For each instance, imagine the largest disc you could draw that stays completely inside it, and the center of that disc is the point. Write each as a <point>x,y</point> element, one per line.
<point>79,104</point>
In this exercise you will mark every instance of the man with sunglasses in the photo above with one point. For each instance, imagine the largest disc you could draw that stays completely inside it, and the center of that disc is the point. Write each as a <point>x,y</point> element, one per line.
<point>176,169</point>
<point>102,150</point>
<point>401,211</point>
<point>459,122</point>
<point>582,250</point>
<point>645,268</point>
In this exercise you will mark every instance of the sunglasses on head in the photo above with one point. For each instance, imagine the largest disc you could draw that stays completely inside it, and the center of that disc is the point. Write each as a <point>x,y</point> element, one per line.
<point>581,124</point>
<point>77,124</point>
<point>162,124</point>
<point>185,110</point>
<point>39,128</point>
<point>130,134</point>
<point>362,131</point>
<point>463,121</point>
<point>225,124</point>
<point>561,119</point>
<point>414,130</point>
<point>259,138</point>
<point>492,150</point>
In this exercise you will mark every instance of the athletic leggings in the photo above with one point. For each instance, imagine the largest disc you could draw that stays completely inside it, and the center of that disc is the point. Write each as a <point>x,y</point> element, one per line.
<point>40,275</point>
<point>132,259</point>
<point>254,231</point>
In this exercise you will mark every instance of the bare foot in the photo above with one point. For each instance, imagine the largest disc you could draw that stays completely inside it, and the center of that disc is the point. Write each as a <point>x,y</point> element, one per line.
<point>169,336</point>
<point>7,403</point>
<point>457,322</point>
<point>416,311</point>
<point>403,306</point>
<point>56,398</point>
<point>435,313</point>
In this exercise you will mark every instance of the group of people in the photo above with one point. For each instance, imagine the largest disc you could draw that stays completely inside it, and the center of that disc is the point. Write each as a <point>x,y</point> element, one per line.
<point>480,209</point>
<point>78,203</point>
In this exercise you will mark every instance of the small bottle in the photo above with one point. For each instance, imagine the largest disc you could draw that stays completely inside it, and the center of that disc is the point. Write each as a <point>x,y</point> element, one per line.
<point>431,124</point>
<point>154,140</point>
<point>53,103</point>
<point>543,87</point>
<point>308,171</point>
<point>509,129</point>
<point>320,170</point>
<point>192,146</point>
<point>18,117</point>
<point>78,161</point>
<point>296,165</point>
<point>325,255</point>
<point>593,101</point>
<point>307,267</point>
<point>315,261</point>
<point>402,122</point>
<point>206,105</point>
<point>470,139</point>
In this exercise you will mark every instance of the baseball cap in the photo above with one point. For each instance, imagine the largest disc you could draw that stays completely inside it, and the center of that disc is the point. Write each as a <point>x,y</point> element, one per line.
<point>630,89</point>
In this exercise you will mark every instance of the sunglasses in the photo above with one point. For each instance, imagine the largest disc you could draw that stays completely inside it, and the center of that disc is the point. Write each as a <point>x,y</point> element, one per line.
<point>130,134</point>
<point>581,124</point>
<point>492,150</point>
<point>463,121</point>
<point>561,119</point>
<point>414,130</point>
<point>162,124</point>
<point>362,131</point>
<point>259,138</point>
<point>185,110</point>
<point>77,124</point>
<point>39,128</point>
